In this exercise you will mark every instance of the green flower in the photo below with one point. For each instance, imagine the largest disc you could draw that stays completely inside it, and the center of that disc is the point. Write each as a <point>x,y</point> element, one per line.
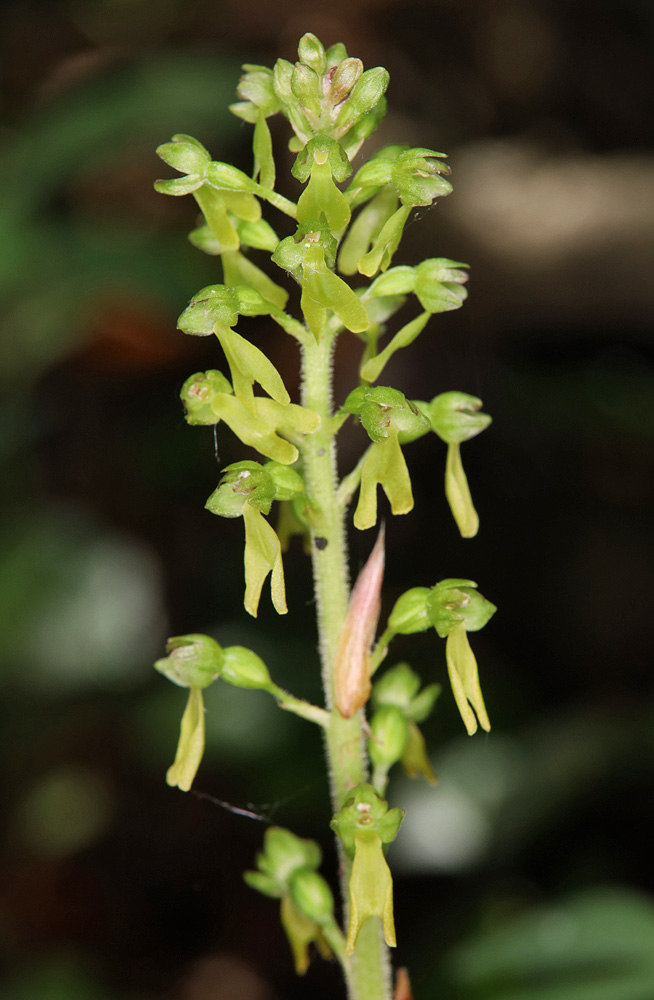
<point>364,825</point>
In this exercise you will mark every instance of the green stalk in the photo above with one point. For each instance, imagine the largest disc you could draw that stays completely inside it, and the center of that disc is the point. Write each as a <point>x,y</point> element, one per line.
<point>368,969</point>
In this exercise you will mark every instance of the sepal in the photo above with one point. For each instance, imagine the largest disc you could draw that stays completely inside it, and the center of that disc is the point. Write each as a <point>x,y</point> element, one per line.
<point>193,660</point>
<point>242,483</point>
<point>388,734</point>
<point>456,416</point>
<point>198,393</point>
<point>453,601</point>
<point>352,665</point>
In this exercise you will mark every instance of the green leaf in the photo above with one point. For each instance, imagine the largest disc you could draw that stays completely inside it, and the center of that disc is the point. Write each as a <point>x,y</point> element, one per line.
<point>593,945</point>
<point>263,555</point>
<point>190,747</point>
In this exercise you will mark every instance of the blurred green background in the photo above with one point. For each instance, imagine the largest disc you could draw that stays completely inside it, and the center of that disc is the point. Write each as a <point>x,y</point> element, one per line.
<point>527,873</point>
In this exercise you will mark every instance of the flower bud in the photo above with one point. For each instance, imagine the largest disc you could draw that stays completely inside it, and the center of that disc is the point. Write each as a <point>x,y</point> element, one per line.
<point>342,80</point>
<point>284,853</point>
<point>455,416</point>
<point>335,55</point>
<point>288,483</point>
<point>193,660</point>
<point>311,52</point>
<point>397,686</point>
<point>305,85</point>
<point>411,612</point>
<point>389,730</point>
<point>312,896</point>
<point>197,395</point>
<point>366,93</point>
<point>243,668</point>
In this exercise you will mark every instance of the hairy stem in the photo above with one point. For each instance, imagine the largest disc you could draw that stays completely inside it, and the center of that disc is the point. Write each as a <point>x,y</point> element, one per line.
<point>368,969</point>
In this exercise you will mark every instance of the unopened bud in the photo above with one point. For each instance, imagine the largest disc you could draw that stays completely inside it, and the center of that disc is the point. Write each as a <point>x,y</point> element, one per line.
<point>397,686</point>
<point>411,612</point>
<point>244,669</point>
<point>288,483</point>
<point>312,896</point>
<point>389,730</point>
<point>311,52</point>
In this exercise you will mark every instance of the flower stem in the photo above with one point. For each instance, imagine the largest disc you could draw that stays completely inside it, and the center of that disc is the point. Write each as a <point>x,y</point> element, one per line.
<point>368,973</point>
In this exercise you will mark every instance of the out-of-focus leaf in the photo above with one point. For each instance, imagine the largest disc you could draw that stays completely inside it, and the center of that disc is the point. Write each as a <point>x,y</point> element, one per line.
<point>598,945</point>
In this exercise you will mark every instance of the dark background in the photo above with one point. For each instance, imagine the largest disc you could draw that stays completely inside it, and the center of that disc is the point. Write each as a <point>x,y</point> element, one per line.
<point>527,873</point>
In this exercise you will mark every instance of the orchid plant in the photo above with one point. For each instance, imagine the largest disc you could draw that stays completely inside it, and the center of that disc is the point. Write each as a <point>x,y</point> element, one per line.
<point>338,245</point>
